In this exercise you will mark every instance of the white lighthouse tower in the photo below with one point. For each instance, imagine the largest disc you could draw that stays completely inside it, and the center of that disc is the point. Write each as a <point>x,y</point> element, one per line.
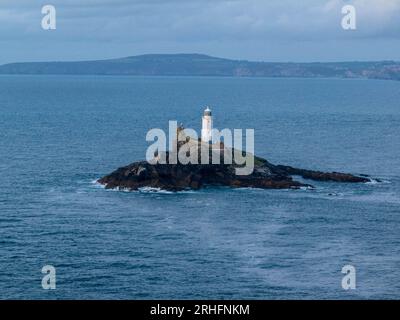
<point>206,129</point>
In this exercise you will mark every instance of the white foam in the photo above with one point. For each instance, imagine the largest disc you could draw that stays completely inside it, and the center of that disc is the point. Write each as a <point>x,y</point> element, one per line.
<point>247,188</point>
<point>374,181</point>
<point>335,194</point>
<point>306,188</point>
<point>97,184</point>
<point>162,191</point>
<point>154,190</point>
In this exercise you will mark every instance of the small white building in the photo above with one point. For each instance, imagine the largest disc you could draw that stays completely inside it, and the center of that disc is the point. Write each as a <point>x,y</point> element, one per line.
<point>207,125</point>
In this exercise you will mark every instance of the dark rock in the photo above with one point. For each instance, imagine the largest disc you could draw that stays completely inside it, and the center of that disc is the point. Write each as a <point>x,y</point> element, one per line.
<point>176,177</point>
<point>322,176</point>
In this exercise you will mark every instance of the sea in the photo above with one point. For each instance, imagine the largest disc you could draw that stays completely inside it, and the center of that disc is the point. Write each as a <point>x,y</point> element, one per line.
<point>59,134</point>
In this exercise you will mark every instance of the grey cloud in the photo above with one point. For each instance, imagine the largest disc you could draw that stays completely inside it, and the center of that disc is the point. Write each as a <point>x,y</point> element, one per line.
<point>194,24</point>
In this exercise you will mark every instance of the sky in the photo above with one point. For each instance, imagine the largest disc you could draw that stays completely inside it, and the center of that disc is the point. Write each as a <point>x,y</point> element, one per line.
<point>260,30</point>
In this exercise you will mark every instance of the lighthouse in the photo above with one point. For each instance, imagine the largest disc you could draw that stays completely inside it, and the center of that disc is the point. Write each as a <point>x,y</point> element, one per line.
<point>206,129</point>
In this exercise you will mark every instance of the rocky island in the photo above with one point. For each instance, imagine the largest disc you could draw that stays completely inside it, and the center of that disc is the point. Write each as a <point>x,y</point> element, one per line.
<point>208,166</point>
<point>178,177</point>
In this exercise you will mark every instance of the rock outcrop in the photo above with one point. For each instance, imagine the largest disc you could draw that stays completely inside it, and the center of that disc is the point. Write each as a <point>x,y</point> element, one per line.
<point>177,177</point>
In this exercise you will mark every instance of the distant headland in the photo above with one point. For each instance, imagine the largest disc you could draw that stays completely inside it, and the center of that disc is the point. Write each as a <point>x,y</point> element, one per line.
<point>204,65</point>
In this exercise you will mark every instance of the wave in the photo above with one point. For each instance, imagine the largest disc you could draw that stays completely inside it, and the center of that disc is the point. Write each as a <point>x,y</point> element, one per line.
<point>246,188</point>
<point>377,181</point>
<point>306,188</point>
<point>154,190</point>
<point>96,184</point>
<point>163,191</point>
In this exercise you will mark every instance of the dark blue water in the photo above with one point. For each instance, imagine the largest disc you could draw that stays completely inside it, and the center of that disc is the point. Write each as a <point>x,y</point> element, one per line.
<point>59,133</point>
